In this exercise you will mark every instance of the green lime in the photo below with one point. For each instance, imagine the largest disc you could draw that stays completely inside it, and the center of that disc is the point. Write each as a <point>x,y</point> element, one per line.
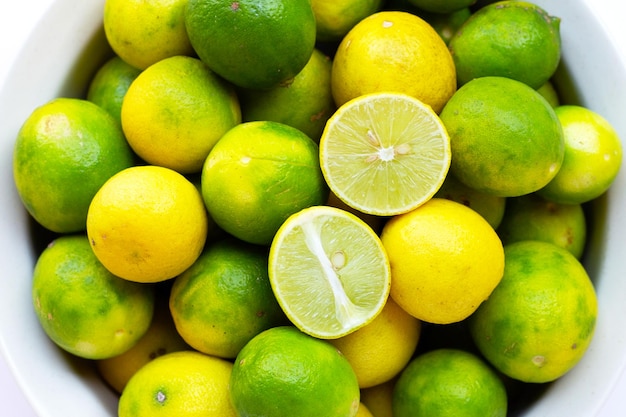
<point>490,206</point>
<point>338,261</point>
<point>257,175</point>
<point>64,152</point>
<point>306,102</point>
<point>82,307</point>
<point>385,153</point>
<point>176,110</point>
<point>109,85</point>
<point>505,137</point>
<point>283,372</point>
<point>252,43</point>
<point>538,322</point>
<point>530,217</point>
<point>225,299</point>
<point>514,39</point>
<point>593,157</point>
<point>548,91</point>
<point>449,382</point>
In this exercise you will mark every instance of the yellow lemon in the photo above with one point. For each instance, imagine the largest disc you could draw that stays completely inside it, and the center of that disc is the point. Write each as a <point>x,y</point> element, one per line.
<point>181,384</point>
<point>142,33</point>
<point>445,260</point>
<point>394,51</point>
<point>147,224</point>
<point>380,350</point>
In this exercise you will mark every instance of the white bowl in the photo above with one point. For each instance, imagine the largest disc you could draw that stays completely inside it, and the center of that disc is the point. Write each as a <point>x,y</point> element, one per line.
<point>60,56</point>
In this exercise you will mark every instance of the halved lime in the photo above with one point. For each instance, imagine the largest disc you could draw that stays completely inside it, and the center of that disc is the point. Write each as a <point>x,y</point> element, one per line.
<point>329,271</point>
<point>385,153</point>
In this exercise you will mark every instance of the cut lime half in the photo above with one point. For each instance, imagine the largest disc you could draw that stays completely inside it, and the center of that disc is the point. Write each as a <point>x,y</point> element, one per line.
<point>329,271</point>
<point>385,153</point>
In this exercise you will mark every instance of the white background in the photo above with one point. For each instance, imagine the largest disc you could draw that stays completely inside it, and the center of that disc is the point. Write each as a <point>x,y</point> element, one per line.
<point>17,17</point>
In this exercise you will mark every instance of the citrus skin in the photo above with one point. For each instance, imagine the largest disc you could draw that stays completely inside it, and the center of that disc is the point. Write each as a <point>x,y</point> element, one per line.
<point>176,110</point>
<point>394,51</point>
<point>224,299</point>
<point>449,382</point>
<point>143,33</point>
<point>538,323</point>
<point>147,224</point>
<point>506,139</point>
<point>257,175</point>
<point>593,157</point>
<point>252,43</point>
<point>491,44</point>
<point>181,384</point>
<point>82,307</point>
<point>282,373</point>
<point>445,260</point>
<point>65,150</point>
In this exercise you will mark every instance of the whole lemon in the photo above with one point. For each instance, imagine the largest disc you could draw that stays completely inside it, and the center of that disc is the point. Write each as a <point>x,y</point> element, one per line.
<point>445,260</point>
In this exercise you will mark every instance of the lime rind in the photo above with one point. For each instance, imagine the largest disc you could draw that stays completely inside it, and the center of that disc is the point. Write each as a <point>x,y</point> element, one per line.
<point>329,271</point>
<point>385,153</point>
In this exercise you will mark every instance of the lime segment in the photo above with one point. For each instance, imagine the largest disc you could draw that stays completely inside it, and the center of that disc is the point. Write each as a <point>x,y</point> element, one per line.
<point>385,153</point>
<point>329,271</point>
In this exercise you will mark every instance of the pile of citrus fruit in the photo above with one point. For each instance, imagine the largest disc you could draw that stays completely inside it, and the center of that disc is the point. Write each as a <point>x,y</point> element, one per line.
<point>318,208</point>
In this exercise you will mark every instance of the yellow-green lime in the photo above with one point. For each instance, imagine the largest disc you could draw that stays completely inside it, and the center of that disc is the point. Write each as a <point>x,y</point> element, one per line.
<point>65,150</point>
<point>225,299</point>
<point>176,110</point>
<point>147,224</point>
<point>505,137</point>
<point>283,372</point>
<point>449,382</point>
<point>338,261</point>
<point>82,307</point>
<point>593,157</point>
<point>385,153</point>
<point>305,102</point>
<point>252,43</point>
<point>143,33</point>
<point>181,384</point>
<point>257,175</point>
<point>108,86</point>
<point>445,260</point>
<point>393,51</point>
<point>531,217</point>
<point>513,39</point>
<point>491,207</point>
<point>335,18</point>
<point>538,323</point>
